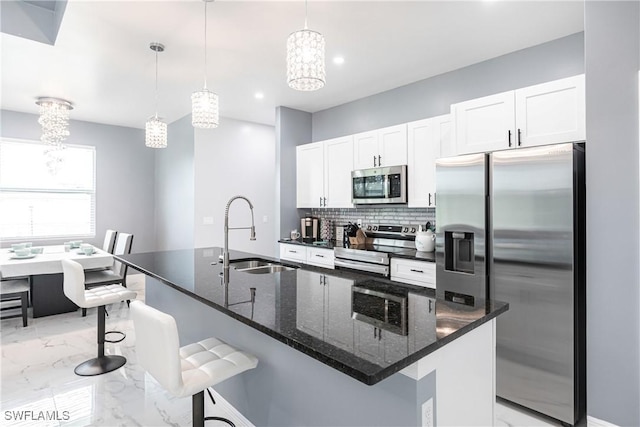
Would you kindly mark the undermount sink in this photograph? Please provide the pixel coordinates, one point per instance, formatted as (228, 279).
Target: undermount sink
(268, 269)
(259, 266)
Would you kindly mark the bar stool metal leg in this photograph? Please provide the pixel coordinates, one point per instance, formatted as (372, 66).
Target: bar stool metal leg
(101, 364)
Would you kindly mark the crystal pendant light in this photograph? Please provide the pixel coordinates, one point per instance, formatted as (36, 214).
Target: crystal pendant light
(204, 103)
(155, 128)
(305, 58)
(54, 119)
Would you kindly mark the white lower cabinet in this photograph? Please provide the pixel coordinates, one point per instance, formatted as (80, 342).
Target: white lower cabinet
(310, 303)
(419, 273)
(320, 257)
(297, 253)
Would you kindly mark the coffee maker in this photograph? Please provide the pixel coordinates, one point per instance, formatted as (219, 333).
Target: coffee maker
(310, 229)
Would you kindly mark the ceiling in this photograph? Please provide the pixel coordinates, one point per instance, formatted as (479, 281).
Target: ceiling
(101, 59)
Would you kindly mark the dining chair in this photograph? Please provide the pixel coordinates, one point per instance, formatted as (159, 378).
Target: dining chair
(15, 290)
(189, 370)
(99, 296)
(109, 241)
(117, 273)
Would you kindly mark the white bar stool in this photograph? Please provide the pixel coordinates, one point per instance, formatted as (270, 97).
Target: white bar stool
(99, 296)
(15, 290)
(184, 371)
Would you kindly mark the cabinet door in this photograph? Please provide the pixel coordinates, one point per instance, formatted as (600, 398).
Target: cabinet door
(392, 145)
(551, 113)
(367, 342)
(338, 164)
(309, 175)
(365, 150)
(421, 163)
(338, 323)
(310, 303)
(485, 124)
(443, 135)
(396, 346)
(423, 312)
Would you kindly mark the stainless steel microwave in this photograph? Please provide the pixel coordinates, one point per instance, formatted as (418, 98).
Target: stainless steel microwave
(379, 185)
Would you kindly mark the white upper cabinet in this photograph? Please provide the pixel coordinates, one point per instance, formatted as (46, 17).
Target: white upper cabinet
(551, 113)
(426, 140)
(485, 124)
(338, 164)
(381, 147)
(323, 173)
(547, 113)
(310, 175)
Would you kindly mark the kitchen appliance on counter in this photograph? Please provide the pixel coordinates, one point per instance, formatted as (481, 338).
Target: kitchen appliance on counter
(377, 304)
(379, 185)
(373, 256)
(310, 229)
(511, 226)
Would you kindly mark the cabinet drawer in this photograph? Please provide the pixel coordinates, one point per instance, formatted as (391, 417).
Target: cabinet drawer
(293, 252)
(320, 257)
(418, 273)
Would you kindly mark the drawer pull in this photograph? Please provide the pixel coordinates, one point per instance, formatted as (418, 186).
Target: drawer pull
(293, 252)
(321, 256)
(417, 271)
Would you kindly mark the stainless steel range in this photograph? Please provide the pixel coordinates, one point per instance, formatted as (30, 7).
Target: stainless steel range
(373, 256)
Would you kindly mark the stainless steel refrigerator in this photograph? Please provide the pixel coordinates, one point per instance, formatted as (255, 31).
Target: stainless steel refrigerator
(511, 227)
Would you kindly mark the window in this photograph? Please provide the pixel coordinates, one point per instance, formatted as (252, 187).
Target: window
(38, 202)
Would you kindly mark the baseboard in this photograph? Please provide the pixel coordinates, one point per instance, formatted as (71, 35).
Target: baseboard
(229, 409)
(594, 422)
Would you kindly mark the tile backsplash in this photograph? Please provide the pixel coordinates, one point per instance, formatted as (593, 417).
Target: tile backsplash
(370, 215)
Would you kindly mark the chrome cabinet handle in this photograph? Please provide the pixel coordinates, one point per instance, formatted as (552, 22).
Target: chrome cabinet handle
(417, 271)
(293, 252)
(324, 202)
(321, 256)
(320, 201)
(429, 199)
(374, 161)
(509, 137)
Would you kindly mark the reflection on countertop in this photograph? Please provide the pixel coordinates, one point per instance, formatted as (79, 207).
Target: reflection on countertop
(312, 309)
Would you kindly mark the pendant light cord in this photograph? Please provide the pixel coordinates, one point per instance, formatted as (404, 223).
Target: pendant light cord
(156, 50)
(205, 44)
(306, 7)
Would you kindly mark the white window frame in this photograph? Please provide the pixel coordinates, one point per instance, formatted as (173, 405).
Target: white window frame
(90, 191)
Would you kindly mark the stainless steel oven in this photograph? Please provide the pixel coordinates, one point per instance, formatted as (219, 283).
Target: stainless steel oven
(379, 185)
(372, 303)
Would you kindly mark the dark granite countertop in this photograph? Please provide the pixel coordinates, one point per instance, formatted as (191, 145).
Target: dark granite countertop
(310, 310)
(400, 253)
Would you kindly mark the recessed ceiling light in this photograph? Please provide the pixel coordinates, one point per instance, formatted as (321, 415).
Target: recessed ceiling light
(259, 95)
(339, 60)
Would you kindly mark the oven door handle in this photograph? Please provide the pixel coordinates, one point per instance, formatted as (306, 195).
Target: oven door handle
(371, 268)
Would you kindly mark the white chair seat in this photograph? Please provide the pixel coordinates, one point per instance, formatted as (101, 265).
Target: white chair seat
(101, 277)
(14, 286)
(103, 295)
(209, 362)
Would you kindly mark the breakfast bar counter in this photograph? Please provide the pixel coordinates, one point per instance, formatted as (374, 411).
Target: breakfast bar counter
(335, 347)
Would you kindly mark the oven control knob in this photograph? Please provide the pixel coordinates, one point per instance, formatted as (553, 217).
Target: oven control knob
(368, 228)
(405, 229)
(375, 228)
(413, 229)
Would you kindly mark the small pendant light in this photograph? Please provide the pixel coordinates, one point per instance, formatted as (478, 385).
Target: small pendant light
(305, 58)
(155, 128)
(204, 103)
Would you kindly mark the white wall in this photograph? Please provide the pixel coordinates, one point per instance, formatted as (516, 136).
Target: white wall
(237, 158)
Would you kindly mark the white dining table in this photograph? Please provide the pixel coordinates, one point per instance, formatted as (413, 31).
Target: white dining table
(49, 261)
(45, 273)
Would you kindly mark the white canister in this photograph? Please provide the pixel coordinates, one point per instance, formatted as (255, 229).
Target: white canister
(426, 241)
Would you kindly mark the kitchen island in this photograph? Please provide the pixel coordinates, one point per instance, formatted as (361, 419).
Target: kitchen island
(327, 356)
